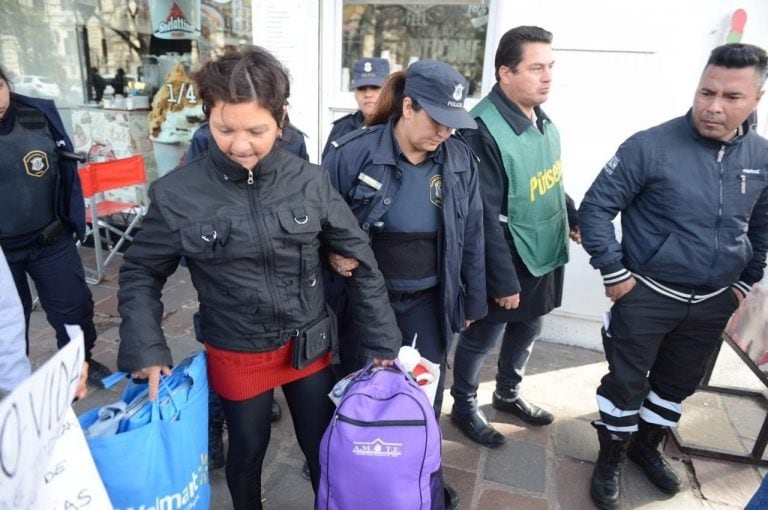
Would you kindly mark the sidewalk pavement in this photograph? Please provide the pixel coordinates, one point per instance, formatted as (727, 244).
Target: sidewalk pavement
(537, 469)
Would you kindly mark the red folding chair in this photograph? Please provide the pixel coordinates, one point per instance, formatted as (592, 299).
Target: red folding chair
(96, 179)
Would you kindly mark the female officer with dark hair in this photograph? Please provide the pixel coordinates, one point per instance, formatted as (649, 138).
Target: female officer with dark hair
(250, 219)
(41, 210)
(413, 187)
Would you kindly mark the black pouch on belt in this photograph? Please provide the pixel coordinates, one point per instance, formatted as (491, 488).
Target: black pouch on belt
(51, 233)
(312, 343)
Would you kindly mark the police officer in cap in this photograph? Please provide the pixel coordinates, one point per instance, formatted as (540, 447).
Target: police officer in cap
(41, 208)
(368, 75)
(414, 188)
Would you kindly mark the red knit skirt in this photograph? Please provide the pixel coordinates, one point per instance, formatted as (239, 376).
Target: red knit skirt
(242, 375)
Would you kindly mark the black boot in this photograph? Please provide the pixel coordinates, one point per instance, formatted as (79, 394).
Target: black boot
(215, 443)
(643, 450)
(606, 478)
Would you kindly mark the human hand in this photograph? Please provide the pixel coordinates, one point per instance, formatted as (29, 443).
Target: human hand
(383, 362)
(82, 386)
(342, 265)
(575, 234)
(508, 302)
(153, 374)
(739, 296)
(618, 291)
(468, 323)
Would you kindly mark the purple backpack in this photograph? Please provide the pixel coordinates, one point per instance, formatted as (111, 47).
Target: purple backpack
(382, 447)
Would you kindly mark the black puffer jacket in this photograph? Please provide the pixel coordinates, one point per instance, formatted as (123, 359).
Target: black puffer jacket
(253, 257)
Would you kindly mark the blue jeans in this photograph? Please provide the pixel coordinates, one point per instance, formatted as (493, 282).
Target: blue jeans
(474, 345)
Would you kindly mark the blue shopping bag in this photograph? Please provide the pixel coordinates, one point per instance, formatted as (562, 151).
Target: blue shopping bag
(159, 456)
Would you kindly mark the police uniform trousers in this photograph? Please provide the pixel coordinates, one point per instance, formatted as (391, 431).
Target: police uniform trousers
(420, 314)
(657, 350)
(59, 278)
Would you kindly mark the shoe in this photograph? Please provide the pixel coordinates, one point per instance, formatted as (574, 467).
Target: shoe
(476, 427)
(643, 451)
(96, 372)
(305, 471)
(523, 409)
(277, 411)
(605, 486)
(451, 497)
(216, 457)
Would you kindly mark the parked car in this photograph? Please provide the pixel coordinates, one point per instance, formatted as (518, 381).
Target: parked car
(35, 86)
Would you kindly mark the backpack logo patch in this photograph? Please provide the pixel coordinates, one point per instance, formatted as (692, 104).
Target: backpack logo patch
(36, 163)
(377, 448)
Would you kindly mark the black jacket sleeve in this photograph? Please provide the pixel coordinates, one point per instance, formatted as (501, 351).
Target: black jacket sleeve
(501, 275)
(615, 187)
(369, 310)
(147, 264)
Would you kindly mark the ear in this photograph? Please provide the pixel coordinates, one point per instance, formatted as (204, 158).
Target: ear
(407, 107)
(505, 74)
(760, 94)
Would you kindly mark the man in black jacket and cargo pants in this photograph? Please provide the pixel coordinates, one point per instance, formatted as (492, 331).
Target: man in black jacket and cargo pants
(693, 198)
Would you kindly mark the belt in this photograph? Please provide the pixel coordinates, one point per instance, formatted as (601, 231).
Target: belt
(396, 295)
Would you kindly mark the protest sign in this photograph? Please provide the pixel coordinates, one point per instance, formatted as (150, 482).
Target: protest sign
(32, 418)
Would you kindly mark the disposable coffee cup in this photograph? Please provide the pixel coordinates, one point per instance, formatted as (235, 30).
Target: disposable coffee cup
(409, 357)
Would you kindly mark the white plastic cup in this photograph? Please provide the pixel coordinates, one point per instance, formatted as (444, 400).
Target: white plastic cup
(409, 357)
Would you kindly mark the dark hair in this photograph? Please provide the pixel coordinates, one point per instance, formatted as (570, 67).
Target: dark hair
(389, 106)
(249, 73)
(510, 49)
(739, 56)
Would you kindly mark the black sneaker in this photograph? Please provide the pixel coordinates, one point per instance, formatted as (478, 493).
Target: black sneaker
(97, 372)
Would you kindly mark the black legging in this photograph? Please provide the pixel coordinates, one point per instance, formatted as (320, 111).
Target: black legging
(248, 422)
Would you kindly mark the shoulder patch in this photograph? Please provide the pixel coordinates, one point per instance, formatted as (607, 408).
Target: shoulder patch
(611, 165)
(31, 118)
(351, 136)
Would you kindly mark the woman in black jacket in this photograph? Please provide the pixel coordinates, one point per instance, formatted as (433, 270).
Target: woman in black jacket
(250, 219)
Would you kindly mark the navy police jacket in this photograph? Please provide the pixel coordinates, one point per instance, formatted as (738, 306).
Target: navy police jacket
(70, 205)
(343, 126)
(372, 151)
(694, 211)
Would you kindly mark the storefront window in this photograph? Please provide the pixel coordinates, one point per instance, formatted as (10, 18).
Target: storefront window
(403, 32)
(49, 46)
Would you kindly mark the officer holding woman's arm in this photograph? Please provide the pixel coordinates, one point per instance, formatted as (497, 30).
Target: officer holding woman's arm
(413, 187)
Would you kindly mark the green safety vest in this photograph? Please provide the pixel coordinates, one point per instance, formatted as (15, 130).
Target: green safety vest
(536, 211)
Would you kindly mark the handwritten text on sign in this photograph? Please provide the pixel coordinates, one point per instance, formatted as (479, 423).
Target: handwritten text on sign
(31, 419)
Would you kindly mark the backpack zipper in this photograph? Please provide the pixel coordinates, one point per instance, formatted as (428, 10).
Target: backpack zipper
(382, 423)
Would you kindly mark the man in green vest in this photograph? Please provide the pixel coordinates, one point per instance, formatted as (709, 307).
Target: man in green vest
(526, 225)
